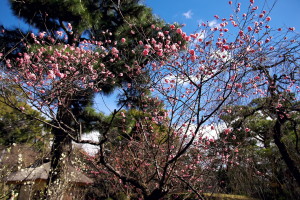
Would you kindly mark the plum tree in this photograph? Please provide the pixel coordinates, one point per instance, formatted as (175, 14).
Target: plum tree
(191, 79)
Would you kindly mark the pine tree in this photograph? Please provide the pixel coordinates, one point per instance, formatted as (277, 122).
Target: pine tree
(17, 128)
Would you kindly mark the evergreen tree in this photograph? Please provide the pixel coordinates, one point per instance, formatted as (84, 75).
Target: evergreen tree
(253, 136)
(18, 128)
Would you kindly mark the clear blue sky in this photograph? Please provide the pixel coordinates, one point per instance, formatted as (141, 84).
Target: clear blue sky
(190, 12)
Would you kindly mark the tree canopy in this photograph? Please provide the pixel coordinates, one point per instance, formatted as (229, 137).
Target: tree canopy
(18, 128)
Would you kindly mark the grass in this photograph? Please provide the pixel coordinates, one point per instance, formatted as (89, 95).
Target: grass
(219, 196)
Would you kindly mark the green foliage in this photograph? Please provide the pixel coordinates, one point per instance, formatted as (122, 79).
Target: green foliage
(16, 127)
(260, 164)
(47, 14)
(126, 122)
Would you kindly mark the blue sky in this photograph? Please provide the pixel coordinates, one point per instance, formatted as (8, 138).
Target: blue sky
(6, 17)
(189, 12)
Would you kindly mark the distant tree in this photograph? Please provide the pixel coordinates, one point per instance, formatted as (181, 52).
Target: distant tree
(17, 128)
(252, 135)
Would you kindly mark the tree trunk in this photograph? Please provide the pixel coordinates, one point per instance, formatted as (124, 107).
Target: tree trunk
(283, 150)
(60, 158)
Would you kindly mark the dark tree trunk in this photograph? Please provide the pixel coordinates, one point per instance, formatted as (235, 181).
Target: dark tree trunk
(284, 151)
(60, 153)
